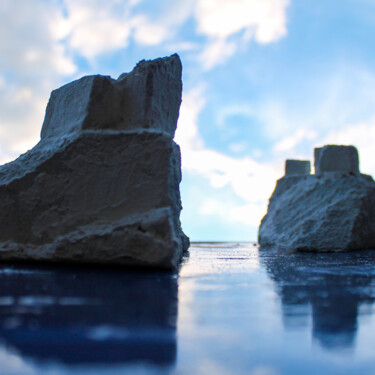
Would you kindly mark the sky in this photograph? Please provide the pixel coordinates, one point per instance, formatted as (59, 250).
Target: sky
(264, 80)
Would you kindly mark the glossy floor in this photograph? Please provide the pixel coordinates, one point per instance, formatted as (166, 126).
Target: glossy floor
(230, 310)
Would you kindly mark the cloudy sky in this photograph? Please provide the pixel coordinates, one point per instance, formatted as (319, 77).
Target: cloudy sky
(264, 80)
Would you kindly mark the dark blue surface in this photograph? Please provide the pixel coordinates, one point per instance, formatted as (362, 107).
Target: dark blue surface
(231, 310)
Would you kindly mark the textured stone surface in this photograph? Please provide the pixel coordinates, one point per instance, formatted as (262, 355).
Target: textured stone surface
(331, 212)
(297, 167)
(334, 158)
(328, 211)
(116, 193)
(94, 191)
(149, 97)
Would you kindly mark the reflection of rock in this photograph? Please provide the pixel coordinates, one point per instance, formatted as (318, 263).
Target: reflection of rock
(333, 285)
(102, 185)
(331, 210)
(335, 319)
(83, 316)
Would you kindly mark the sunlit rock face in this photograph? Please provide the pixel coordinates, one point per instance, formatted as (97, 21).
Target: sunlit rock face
(102, 185)
(332, 210)
(149, 97)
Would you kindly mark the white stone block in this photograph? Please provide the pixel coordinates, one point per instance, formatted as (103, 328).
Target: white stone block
(334, 158)
(149, 97)
(297, 167)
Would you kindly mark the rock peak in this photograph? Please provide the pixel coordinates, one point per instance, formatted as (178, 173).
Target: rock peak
(148, 97)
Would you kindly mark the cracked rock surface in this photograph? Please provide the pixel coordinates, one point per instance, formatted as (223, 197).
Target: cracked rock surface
(329, 212)
(102, 185)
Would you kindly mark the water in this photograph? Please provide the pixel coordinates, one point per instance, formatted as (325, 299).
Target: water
(230, 310)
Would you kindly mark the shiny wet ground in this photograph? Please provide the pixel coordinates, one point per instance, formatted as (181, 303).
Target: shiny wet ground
(230, 310)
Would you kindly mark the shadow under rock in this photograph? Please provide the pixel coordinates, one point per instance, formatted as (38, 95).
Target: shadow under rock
(329, 286)
(82, 316)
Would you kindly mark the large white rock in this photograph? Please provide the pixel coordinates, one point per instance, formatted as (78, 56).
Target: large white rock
(331, 211)
(92, 193)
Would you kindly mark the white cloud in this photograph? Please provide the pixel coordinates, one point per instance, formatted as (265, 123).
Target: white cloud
(290, 142)
(33, 60)
(163, 24)
(92, 28)
(238, 147)
(294, 122)
(28, 43)
(147, 32)
(21, 116)
(278, 118)
(249, 180)
(219, 20)
(249, 214)
(222, 18)
(216, 52)
(187, 134)
(95, 27)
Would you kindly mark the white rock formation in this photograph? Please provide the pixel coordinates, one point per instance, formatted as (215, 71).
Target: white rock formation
(102, 185)
(330, 211)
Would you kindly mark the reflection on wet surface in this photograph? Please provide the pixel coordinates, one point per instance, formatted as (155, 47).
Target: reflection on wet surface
(332, 286)
(231, 310)
(88, 316)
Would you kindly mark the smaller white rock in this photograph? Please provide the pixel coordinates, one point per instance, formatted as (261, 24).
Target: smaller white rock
(333, 210)
(335, 158)
(297, 167)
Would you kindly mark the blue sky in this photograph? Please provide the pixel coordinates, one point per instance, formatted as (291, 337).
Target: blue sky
(264, 80)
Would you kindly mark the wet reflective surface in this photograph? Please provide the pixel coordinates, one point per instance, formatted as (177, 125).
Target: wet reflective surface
(230, 310)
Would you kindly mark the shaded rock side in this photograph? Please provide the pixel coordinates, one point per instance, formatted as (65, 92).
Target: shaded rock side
(149, 97)
(297, 167)
(329, 212)
(97, 197)
(336, 158)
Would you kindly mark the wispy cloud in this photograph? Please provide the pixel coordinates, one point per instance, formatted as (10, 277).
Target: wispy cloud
(33, 60)
(261, 20)
(248, 179)
(30, 45)
(94, 27)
